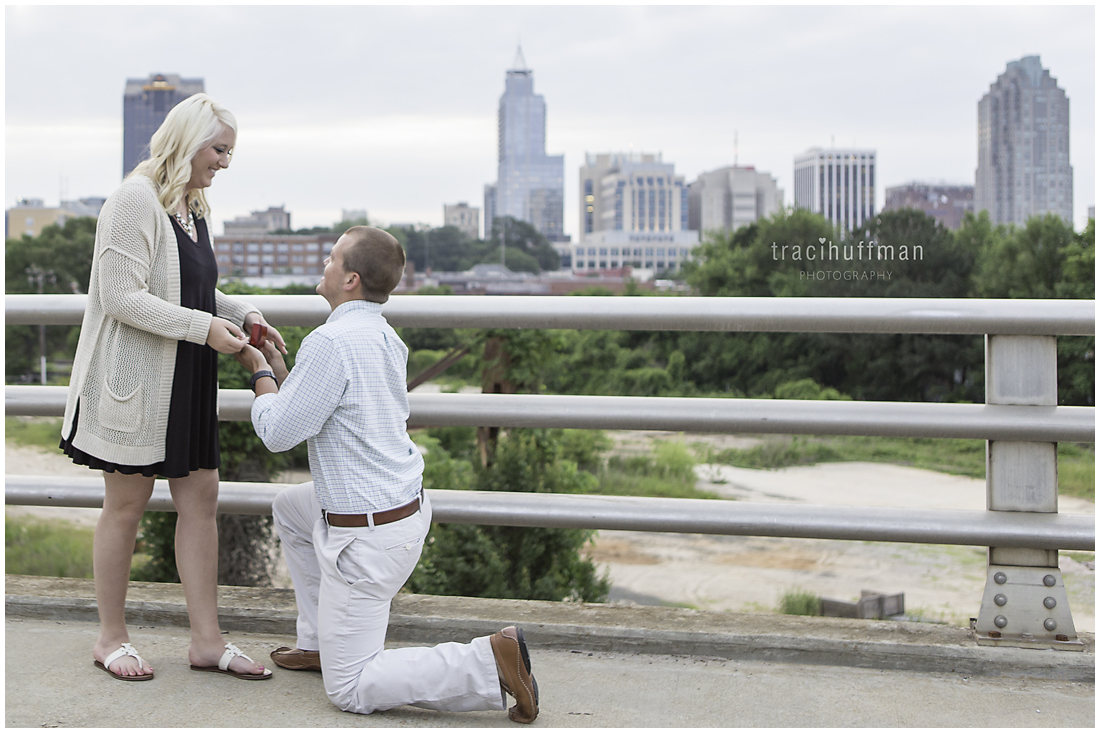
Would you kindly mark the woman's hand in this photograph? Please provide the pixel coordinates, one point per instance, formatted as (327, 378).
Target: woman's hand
(272, 335)
(224, 337)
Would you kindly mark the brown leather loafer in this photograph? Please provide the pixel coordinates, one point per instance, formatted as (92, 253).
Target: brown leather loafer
(288, 658)
(514, 667)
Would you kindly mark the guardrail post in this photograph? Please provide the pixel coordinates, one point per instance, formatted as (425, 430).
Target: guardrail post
(1025, 602)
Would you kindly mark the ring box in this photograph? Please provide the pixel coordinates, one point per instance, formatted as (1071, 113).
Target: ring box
(259, 335)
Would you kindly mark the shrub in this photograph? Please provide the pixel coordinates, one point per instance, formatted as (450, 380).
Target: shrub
(509, 562)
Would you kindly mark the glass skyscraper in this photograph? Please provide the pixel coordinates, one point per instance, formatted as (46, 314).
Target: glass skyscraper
(145, 104)
(1023, 146)
(530, 184)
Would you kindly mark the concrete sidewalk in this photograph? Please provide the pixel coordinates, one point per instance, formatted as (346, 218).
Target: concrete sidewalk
(597, 666)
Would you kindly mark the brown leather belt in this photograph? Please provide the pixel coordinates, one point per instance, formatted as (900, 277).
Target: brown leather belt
(361, 520)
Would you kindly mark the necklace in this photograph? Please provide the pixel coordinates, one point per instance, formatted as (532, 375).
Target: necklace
(187, 226)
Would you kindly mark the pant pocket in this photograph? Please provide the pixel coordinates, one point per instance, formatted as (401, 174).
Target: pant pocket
(378, 570)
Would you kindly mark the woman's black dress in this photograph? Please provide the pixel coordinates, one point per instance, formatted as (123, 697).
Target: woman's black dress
(192, 438)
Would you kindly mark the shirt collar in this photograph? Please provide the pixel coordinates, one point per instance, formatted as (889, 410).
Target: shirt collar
(354, 305)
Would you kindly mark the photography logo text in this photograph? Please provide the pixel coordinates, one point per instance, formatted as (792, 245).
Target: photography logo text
(863, 251)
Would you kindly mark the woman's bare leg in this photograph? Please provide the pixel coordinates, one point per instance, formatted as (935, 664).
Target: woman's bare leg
(196, 500)
(112, 554)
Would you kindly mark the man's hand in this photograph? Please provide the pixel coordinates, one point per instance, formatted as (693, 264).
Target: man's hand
(273, 336)
(251, 359)
(224, 336)
(275, 359)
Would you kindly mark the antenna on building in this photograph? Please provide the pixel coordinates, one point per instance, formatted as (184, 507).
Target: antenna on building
(735, 148)
(832, 141)
(519, 64)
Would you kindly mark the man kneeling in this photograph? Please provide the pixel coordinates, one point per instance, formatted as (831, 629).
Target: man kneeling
(353, 536)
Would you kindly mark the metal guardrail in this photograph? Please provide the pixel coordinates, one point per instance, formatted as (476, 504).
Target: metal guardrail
(686, 414)
(702, 516)
(821, 315)
(1020, 420)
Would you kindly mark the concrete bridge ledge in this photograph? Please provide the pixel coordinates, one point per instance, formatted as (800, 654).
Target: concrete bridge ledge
(887, 645)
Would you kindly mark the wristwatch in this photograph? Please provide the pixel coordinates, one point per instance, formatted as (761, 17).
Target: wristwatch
(261, 373)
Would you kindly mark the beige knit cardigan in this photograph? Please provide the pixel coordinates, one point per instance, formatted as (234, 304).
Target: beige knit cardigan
(126, 357)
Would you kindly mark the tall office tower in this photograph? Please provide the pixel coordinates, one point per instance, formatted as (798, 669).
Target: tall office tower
(730, 198)
(1023, 146)
(838, 183)
(463, 216)
(632, 206)
(144, 106)
(530, 183)
(946, 204)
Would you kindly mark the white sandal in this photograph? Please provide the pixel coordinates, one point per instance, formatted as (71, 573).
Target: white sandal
(126, 650)
(223, 665)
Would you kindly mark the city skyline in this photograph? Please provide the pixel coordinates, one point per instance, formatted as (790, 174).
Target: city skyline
(421, 131)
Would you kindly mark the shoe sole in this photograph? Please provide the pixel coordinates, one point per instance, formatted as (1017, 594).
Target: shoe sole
(300, 668)
(526, 657)
(231, 673)
(294, 666)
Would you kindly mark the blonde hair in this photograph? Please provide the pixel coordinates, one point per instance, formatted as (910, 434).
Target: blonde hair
(189, 127)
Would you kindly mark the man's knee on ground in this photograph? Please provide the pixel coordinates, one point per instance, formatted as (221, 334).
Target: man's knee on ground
(345, 698)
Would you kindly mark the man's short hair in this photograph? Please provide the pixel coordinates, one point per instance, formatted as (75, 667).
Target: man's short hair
(378, 258)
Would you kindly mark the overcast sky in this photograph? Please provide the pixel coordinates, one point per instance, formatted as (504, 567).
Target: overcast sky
(393, 109)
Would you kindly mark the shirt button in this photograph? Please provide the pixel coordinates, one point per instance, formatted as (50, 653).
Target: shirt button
(408, 547)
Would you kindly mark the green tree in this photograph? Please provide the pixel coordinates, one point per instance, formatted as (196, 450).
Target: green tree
(1028, 261)
(443, 249)
(1045, 259)
(510, 562)
(522, 238)
(66, 251)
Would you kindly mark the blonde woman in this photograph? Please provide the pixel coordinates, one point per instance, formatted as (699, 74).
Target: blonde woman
(143, 393)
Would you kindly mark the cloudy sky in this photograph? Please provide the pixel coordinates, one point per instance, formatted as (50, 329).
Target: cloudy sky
(393, 109)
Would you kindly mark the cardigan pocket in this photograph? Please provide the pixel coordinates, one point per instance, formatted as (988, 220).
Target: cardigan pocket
(120, 412)
(121, 404)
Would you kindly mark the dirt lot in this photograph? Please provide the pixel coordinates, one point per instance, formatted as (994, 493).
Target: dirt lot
(941, 583)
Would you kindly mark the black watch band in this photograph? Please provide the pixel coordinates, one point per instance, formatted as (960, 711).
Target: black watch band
(262, 373)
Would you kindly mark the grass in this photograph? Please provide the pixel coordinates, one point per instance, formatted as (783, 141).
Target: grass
(1076, 462)
(48, 548)
(797, 602)
(40, 432)
(668, 473)
(1077, 470)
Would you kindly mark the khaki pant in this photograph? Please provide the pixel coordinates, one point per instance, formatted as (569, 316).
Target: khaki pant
(344, 579)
